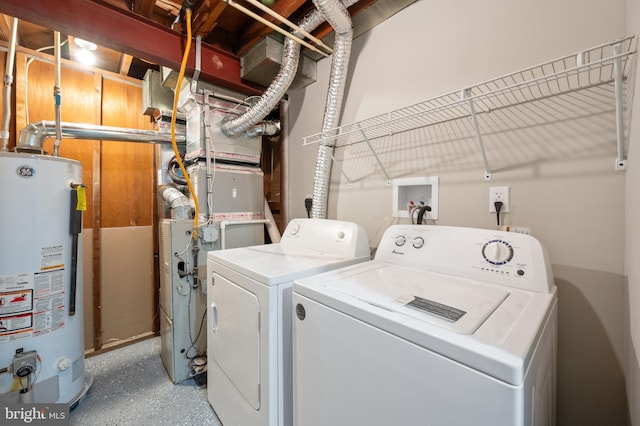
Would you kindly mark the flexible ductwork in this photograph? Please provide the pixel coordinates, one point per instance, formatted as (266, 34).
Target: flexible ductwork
(339, 18)
(266, 128)
(8, 81)
(234, 126)
(180, 206)
(33, 136)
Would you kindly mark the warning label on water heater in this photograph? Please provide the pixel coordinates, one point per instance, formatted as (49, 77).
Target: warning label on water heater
(51, 258)
(31, 304)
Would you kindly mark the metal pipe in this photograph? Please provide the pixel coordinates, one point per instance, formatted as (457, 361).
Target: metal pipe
(33, 136)
(291, 25)
(8, 81)
(338, 16)
(266, 128)
(274, 27)
(57, 92)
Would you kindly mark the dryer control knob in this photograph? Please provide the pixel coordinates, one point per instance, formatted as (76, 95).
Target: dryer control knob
(341, 235)
(497, 252)
(400, 240)
(295, 228)
(418, 242)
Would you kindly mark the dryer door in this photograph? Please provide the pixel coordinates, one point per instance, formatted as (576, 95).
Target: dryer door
(235, 336)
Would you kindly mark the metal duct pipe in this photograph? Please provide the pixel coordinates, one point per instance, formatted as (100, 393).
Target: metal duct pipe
(266, 128)
(33, 136)
(339, 18)
(180, 206)
(234, 126)
(8, 81)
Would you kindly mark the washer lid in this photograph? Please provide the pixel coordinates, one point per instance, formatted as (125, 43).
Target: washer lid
(456, 304)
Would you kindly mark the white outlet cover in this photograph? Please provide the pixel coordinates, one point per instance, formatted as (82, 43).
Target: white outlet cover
(499, 192)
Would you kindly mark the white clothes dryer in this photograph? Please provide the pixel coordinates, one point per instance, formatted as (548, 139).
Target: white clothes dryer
(445, 326)
(249, 378)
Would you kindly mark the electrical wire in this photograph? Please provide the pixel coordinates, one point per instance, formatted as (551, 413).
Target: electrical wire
(174, 144)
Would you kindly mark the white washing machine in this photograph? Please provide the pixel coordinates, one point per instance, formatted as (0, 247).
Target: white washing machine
(249, 316)
(445, 326)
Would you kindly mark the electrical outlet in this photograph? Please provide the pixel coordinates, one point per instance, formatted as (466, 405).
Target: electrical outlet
(499, 193)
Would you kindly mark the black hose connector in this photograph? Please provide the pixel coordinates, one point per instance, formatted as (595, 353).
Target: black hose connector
(186, 4)
(421, 213)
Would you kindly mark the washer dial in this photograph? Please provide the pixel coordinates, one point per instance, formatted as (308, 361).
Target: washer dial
(497, 252)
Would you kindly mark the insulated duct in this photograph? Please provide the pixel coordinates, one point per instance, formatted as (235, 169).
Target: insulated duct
(339, 18)
(33, 136)
(290, 58)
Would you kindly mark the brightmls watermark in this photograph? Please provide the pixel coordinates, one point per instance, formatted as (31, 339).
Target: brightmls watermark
(35, 414)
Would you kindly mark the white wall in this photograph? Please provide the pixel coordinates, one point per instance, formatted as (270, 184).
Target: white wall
(633, 239)
(576, 207)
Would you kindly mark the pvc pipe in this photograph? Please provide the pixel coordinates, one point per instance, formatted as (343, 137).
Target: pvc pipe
(8, 81)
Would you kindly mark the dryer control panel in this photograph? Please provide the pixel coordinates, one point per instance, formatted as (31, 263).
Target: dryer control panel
(505, 258)
(340, 238)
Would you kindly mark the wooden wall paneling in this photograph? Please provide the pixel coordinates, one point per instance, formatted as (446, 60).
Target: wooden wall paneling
(127, 188)
(127, 166)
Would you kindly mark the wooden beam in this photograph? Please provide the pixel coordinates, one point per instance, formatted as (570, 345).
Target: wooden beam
(124, 64)
(96, 203)
(5, 28)
(144, 7)
(207, 18)
(130, 34)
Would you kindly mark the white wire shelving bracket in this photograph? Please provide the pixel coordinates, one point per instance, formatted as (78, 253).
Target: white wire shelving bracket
(587, 82)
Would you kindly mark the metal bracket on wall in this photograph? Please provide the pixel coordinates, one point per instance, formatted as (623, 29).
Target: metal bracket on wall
(466, 94)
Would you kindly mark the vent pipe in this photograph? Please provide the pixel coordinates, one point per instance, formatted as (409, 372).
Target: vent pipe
(33, 136)
(339, 18)
(234, 126)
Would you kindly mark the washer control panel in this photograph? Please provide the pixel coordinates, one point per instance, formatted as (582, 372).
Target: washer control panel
(497, 252)
(505, 258)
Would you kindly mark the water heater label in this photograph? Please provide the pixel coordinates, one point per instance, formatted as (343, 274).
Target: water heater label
(15, 326)
(31, 304)
(16, 301)
(52, 257)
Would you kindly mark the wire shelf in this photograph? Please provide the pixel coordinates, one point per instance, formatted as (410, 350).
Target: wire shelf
(582, 89)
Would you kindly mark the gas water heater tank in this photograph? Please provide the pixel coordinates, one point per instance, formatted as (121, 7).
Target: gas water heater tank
(41, 315)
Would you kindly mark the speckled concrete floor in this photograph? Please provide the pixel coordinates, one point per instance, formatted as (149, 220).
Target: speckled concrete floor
(131, 387)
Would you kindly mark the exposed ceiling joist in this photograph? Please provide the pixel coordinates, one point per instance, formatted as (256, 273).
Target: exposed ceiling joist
(130, 34)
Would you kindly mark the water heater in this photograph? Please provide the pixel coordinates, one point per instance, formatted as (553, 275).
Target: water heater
(41, 315)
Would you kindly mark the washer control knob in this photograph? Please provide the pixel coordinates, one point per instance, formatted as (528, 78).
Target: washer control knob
(341, 235)
(497, 252)
(400, 240)
(418, 242)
